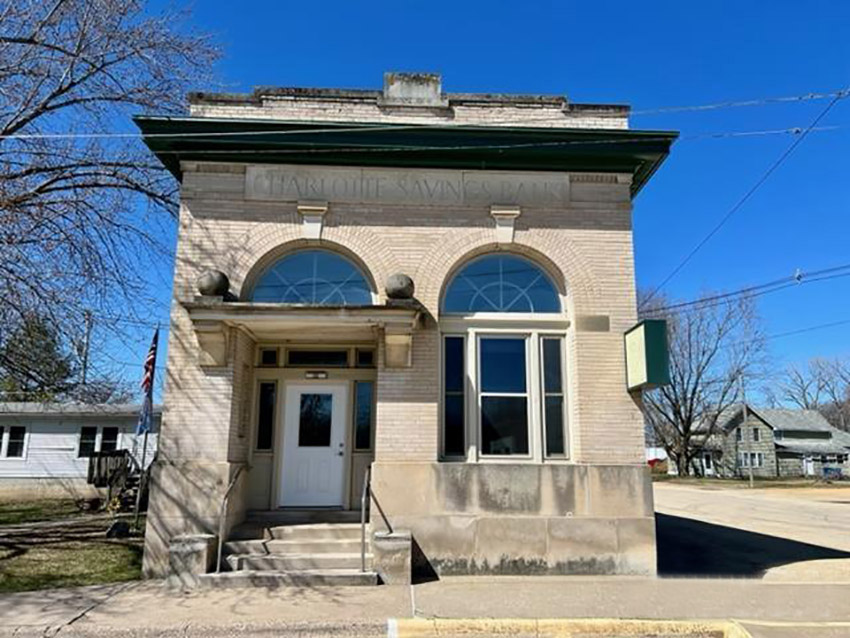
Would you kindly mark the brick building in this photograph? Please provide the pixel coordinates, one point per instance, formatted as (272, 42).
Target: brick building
(434, 286)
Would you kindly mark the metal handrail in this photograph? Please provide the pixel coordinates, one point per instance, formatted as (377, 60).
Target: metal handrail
(222, 522)
(365, 493)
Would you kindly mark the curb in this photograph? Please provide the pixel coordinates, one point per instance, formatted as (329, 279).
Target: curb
(562, 628)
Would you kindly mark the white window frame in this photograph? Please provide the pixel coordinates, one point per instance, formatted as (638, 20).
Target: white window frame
(756, 435)
(527, 395)
(4, 442)
(533, 327)
(467, 387)
(98, 439)
(562, 352)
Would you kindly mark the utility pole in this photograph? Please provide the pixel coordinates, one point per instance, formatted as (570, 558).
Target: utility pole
(743, 431)
(86, 343)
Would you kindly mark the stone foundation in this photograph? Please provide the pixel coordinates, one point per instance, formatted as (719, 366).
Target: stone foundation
(522, 519)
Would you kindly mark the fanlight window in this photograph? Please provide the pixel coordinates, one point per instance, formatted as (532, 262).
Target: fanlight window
(501, 283)
(316, 278)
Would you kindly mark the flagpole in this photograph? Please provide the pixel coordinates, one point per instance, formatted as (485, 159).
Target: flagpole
(149, 417)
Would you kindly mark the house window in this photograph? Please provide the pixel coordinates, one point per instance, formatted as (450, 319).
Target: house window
(12, 443)
(553, 395)
(501, 283)
(739, 435)
(314, 278)
(743, 459)
(454, 396)
(88, 442)
(503, 395)
(109, 440)
(363, 412)
(265, 416)
(756, 435)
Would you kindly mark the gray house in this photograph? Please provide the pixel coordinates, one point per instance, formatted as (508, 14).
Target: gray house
(775, 443)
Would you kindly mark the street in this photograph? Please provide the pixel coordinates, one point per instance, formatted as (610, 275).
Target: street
(799, 534)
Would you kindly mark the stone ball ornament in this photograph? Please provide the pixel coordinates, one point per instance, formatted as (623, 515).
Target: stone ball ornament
(399, 286)
(213, 283)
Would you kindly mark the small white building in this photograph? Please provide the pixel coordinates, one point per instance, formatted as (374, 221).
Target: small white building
(45, 448)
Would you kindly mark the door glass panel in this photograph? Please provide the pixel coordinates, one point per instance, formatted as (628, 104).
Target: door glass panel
(504, 425)
(265, 416)
(503, 365)
(314, 425)
(363, 415)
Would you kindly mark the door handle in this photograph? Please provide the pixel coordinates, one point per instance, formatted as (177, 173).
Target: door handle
(341, 449)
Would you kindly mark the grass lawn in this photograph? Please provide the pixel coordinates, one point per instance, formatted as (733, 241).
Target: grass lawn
(68, 563)
(69, 554)
(16, 512)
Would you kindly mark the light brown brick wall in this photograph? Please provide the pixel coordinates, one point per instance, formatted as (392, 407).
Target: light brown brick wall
(588, 243)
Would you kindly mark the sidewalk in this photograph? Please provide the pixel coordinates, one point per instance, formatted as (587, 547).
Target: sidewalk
(145, 608)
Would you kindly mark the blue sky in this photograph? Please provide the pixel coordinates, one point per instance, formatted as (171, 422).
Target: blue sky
(648, 54)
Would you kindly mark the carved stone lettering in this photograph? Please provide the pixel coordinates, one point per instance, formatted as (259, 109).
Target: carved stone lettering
(400, 186)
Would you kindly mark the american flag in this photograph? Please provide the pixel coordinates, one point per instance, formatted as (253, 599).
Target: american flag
(144, 424)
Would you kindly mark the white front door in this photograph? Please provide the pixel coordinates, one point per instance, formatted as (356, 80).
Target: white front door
(707, 464)
(809, 464)
(313, 469)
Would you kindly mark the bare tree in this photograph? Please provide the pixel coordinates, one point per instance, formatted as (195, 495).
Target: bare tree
(715, 349)
(80, 210)
(823, 385)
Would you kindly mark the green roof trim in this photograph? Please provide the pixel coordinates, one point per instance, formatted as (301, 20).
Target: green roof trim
(176, 139)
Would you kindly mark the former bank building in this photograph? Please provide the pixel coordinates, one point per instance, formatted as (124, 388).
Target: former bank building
(411, 299)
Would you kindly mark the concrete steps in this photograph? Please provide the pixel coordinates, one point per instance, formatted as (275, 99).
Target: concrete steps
(294, 578)
(298, 548)
(295, 562)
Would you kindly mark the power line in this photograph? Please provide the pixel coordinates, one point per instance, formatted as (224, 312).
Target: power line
(797, 279)
(742, 103)
(406, 126)
(791, 333)
(776, 164)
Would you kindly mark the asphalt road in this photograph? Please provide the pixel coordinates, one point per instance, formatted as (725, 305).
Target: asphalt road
(716, 531)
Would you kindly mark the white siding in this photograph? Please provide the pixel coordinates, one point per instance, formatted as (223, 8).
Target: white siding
(52, 441)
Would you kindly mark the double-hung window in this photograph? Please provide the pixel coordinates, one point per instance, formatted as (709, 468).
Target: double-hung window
(12, 441)
(503, 395)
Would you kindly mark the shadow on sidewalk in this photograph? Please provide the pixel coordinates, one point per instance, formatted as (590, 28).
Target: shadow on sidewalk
(687, 547)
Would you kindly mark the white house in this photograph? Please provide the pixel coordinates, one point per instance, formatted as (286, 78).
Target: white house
(45, 448)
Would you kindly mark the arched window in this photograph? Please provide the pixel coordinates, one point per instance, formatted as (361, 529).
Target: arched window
(315, 278)
(501, 283)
